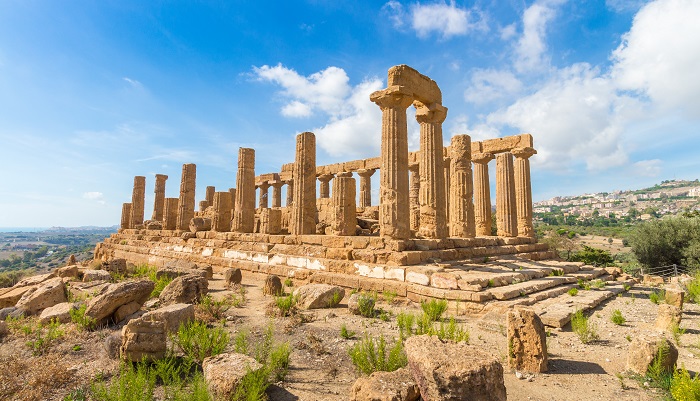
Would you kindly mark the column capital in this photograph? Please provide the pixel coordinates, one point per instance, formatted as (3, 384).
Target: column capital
(414, 168)
(325, 177)
(161, 177)
(392, 97)
(288, 181)
(366, 172)
(276, 183)
(482, 157)
(434, 113)
(262, 184)
(523, 153)
(344, 174)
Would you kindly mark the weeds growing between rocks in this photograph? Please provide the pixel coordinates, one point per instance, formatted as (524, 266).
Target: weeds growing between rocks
(584, 329)
(373, 355)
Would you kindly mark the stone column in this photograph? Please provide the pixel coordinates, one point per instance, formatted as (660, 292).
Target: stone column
(482, 193)
(170, 213)
(461, 188)
(325, 187)
(276, 193)
(433, 221)
(138, 200)
(290, 192)
(413, 198)
(126, 215)
(446, 164)
(506, 213)
(304, 211)
(222, 212)
(523, 190)
(232, 191)
(365, 187)
(344, 207)
(209, 195)
(244, 207)
(264, 192)
(393, 175)
(159, 202)
(203, 205)
(185, 207)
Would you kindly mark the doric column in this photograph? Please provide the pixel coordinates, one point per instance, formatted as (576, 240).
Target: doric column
(461, 188)
(222, 212)
(506, 213)
(304, 211)
(244, 207)
(414, 207)
(232, 192)
(264, 192)
(276, 193)
(138, 199)
(209, 195)
(482, 193)
(365, 187)
(523, 190)
(203, 205)
(433, 220)
(159, 202)
(344, 208)
(447, 188)
(126, 216)
(185, 207)
(290, 192)
(393, 174)
(324, 188)
(170, 213)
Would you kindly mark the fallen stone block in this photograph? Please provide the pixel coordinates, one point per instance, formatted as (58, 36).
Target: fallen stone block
(317, 296)
(172, 315)
(59, 312)
(385, 386)
(272, 286)
(102, 307)
(224, 372)
(643, 350)
(527, 341)
(46, 294)
(187, 289)
(96, 275)
(143, 340)
(232, 276)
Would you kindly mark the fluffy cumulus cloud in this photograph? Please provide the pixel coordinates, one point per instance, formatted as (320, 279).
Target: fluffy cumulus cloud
(647, 168)
(490, 85)
(531, 46)
(445, 20)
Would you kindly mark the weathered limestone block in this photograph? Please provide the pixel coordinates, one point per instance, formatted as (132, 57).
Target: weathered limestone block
(185, 207)
(47, 294)
(270, 221)
(125, 311)
(224, 372)
(385, 386)
(172, 316)
(112, 344)
(433, 216)
(59, 312)
(668, 316)
(317, 296)
(170, 213)
(304, 211)
(527, 341)
(244, 205)
(273, 285)
(506, 211)
(67, 271)
(96, 275)
(153, 225)
(232, 276)
(343, 220)
(159, 201)
(223, 204)
(482, 193)
(138, 199)
(200, 224)
(176, 268)
(209, 194)
(187, 289)
(643, 350)
(115, 266)
(675, 296)
(143, 339)
(461, 187)
(103, 306)
(208, 271)
(454, 371)
(126, 216)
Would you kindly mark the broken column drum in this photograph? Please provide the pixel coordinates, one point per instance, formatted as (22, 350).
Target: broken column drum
(159, 201)
(126, 216)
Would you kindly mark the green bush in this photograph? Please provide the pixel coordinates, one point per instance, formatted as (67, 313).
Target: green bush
(617, 317)
(657, 296)
(345, 333)
(78, 317)
(584, 329)
(573, 291)
(133, 383)
(671, 240)
(592, 256)
(372, 355)
(212, 308)
(434, 309)
(693, 288)
(365, 303)
(197, 341)
(683, 387)
(658, 374)
(286, 304)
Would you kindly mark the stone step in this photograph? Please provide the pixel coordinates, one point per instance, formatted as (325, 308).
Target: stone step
(527, 287)
(589, 274)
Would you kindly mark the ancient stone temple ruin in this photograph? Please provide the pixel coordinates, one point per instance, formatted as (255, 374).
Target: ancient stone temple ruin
(428, 237)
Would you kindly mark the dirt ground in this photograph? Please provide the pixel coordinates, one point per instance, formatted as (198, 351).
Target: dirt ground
(322, 370)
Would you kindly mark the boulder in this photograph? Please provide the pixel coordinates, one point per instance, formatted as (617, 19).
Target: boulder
(177, 268)
(48, 293)
(143, 339)
(34, 280)
(126, 310)
(115, 266)
(10, 296)
(385, 386)
(96, 275)
(103, 306)
(272, 286)
(9, 311)
(527, 341)
(112, 344)
(643, 350)
(67, 271)
(187, 289)
(224, 372)
(675, 296)
(59, 312)
(454, 371)
(200, 224)
(354, 303)
(71, 259)
(667, 316)
(316, 296)
(232, 276)
(153, 225)
(172, 315)
(209, 270)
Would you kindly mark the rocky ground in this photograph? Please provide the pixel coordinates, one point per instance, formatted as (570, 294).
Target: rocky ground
(321, 369)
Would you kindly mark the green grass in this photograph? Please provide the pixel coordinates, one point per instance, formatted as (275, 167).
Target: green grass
(215, 310)
(434, 309)
(133, 383)
(693, 288)
(573, 291)
(146, 271)
(366, 303)
(197, 341)
(78, 317)
(657, 296)
(286, 304)
(345, 333)
(584, 329)
(45, 337)
(617, 317)
(373, 355)
(389, 296)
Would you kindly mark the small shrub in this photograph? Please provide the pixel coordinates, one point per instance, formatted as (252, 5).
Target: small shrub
(598, 283)
(197, 390)
(78, 317)
(677, 332)
(584, 329)
(657, 296)
(628, 338)
(452, 332)
(133, 383)
(288, 282)
(286, 304)
(371, 355)
(683, 387)
(238, 301)
(240, 342)
(78, 394)
(405, 321)
(197, 341)
(214, 310)
(659, 375)
(617, 317)
(434, 309)
(43, 340)
(583, 284)
(389, 296)
(626, 287)
(573, 291)
(365, 303)
(345, 333)
(556, 272)
(491, 283)
(333, 302)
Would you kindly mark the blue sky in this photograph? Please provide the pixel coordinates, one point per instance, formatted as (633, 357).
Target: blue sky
(94, 93)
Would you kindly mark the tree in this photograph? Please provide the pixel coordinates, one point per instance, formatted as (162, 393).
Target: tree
(672, 240)
(592, 256)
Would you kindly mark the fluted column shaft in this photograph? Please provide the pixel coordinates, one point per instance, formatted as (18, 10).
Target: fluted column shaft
(482, 193)
(506, 212)
(232, 192)
(433, 217)
(185, 207)
(523, 190)
(222, 212)
(304, 213)
(344, 208)
(290, 192)
(414, 205)
(138, 200)
(461, 188)
(393, 178)
(447, 188)
(324, 188)
(126, 216)
(170, 213)
(244, 207)
(276, 193)
(264, 193)
(365, 187)
(159, 202)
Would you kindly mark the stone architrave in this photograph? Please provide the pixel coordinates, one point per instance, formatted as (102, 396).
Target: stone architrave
(170, 213)
(394, 215)
(523, 190)
(324, 188)
(185, 208)
(126, 215)
(138, 199)
(244, 207)
(290, 192)
(414, 189)
(433, 217)
(462, 191)
(222, 212)
(482, 193)
(264, 193)
(304, 213)
(159, 202)
(276, 193)
(365, 187)
(270, 221)
(506, 212)
(344, 208)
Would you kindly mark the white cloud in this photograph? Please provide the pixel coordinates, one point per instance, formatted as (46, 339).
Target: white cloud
(395, 12)
(446, 20)
(459, 125)
(531, 47)
(134, 83)
(95, 196)
(647, 168)
(508, 31)
(296, 109)
(621, 6)
(489, 85)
